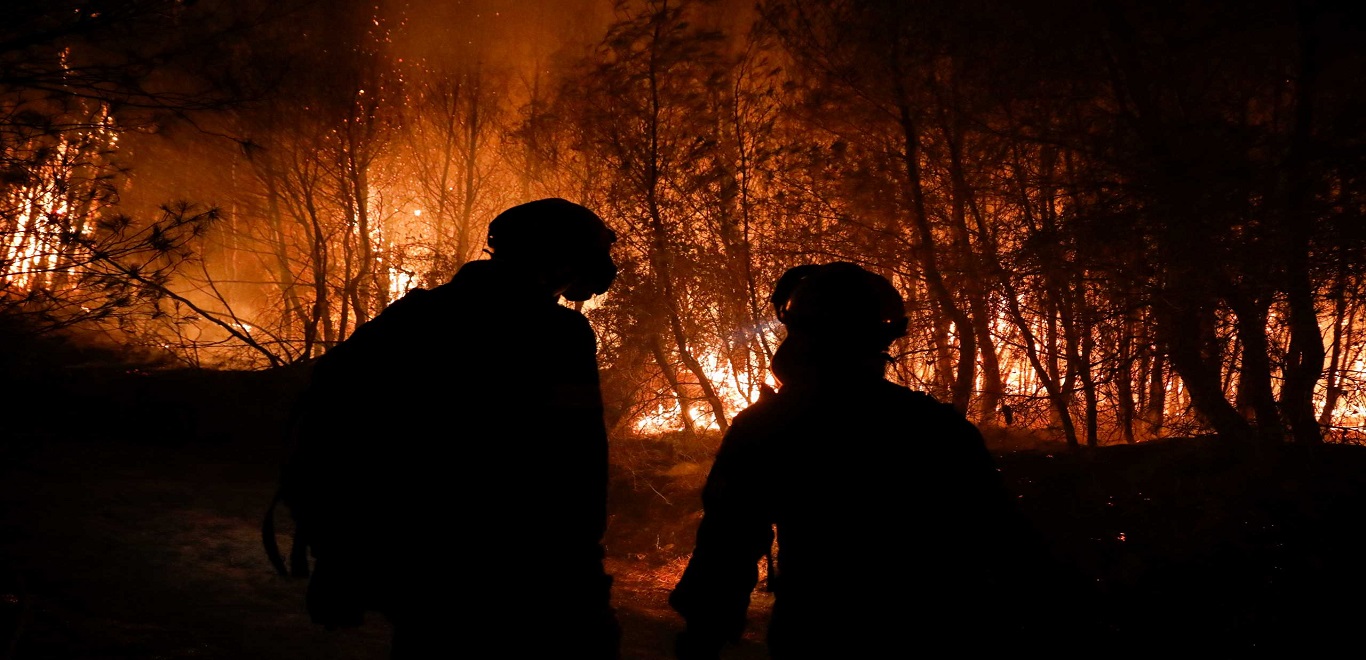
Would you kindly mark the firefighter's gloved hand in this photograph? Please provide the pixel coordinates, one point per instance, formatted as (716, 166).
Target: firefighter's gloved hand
(692, 645)
(335, 597)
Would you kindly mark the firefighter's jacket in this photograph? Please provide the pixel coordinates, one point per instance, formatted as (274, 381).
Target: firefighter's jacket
(454, 460)
(890, 519)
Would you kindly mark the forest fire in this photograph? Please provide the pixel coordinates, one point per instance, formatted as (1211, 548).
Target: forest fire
(737, 391)
(31, 251)
(51, 206)
(1129, 239)
(1026, 294)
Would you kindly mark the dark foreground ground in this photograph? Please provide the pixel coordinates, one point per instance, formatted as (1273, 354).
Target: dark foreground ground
(130, 512)
(143, 541)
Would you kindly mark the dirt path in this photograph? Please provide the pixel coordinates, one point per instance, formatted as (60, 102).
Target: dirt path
(127, 550)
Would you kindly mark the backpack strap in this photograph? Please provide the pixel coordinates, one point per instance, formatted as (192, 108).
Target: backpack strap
(298, 550)
(268, 539)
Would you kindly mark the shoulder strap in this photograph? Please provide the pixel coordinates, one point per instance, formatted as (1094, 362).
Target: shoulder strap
(298, 550)
(268, 540)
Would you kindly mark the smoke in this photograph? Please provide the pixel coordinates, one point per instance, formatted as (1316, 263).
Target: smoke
(519, 34)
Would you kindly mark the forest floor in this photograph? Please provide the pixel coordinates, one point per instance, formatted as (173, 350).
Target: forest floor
(145, 543)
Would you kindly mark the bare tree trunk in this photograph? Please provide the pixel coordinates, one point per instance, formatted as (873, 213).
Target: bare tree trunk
(1088, 381)
(660, 254)
(1241, 403)
(1124, 378)
(1077, 343)
(1155, 413)
(1187, 331)
(346, 295)
(284, 273)
(1254, 378)
(967, 345)
(1186, 300)
(671, 377)
(742, 253)
(1047, 376)
(359, 290)
(943, 353)
(442, 190)
(1062, 407)
(1342, 335)
(1304, 358)
(319, 265)
(464, 243)
(980, 318)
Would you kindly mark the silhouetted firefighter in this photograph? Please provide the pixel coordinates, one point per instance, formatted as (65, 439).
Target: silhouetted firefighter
(452, 467)
(893, 528)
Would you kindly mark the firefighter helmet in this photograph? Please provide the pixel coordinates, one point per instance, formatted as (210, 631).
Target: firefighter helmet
(840, 301)
(561, 233)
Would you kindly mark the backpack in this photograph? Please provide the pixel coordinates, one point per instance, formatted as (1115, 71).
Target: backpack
(337, 384)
